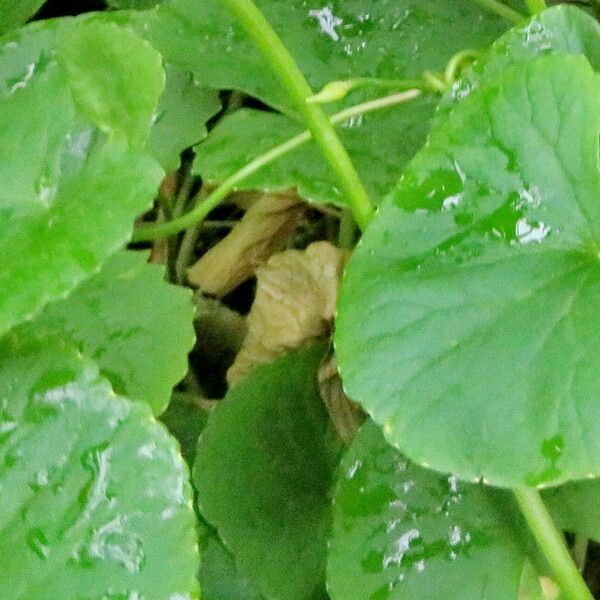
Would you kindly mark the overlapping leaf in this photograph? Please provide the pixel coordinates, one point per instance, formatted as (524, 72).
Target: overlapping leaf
(379, 144)
(466, 323)
(134, 325)
(74, 174)
(181, 118)
(403, 532)
(272, 438)
(339, 40)
(562, 29)
(95, 500)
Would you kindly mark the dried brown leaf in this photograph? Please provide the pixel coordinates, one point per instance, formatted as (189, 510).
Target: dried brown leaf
(346, 415)
(294, 304)
(265, 227)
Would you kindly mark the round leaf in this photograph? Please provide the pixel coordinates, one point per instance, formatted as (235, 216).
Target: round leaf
(263, 472)
(403, 532)
(136, 327)
(466, 323)
(69, 192)
(95, 502)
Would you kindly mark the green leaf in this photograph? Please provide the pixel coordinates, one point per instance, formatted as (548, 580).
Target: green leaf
(132, 323)
(466, 324)
(273, 438)
(69, 192)
(575, 507)
(218, 572)
(115, 78)
(133, 4)
(560, 29)
(340, 40)
(183, 111)
(403, 532)
(380, 145)
(95, 502)
(185, 420)
(14, 13)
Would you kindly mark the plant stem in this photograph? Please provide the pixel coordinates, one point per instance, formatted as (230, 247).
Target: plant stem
(536, 6)
(501, 10)
(290, 76)
(552, 544)
(146, 233)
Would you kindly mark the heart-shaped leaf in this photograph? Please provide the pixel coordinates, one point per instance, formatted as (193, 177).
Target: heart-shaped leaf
(272, 438)
(95, 502)
(132, 323)
(403, 532)
(466, 321)
(71, 186)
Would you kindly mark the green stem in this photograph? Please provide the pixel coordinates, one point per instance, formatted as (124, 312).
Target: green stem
(552, 544)
(536, 6)
(501, 10)
(146, 233)
(284, 67)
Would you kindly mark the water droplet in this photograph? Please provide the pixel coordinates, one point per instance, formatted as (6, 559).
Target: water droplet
(327, 21)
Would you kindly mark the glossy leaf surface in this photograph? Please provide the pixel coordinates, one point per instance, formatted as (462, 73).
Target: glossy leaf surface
(380, 145)
(561, 29)
(132, 323)
(94, 492)
(71, 186)
(403, 532)
(340, 40)
(466, 322)
(272, 438)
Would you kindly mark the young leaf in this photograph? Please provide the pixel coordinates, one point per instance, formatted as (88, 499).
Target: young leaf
(380, 145)
(340, 40)
(16, 12)
(403, 532)
(272, 438)
(466, 323)
(69, 191)
(132, 323)
(95, 502)
(183, 111)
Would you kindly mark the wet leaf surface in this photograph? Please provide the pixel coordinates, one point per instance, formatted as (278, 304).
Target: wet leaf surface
(404, 532)
(94, 490)
(465, 324)
(132, 323)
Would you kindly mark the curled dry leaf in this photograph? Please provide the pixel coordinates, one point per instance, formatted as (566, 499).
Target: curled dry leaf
(346, 415)
(264, 229)
(295, 302)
